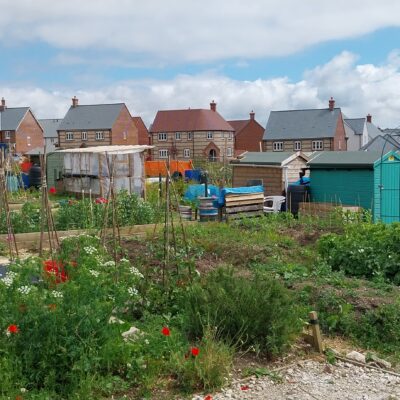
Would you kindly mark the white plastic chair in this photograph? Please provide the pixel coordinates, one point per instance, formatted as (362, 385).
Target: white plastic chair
(272, 204)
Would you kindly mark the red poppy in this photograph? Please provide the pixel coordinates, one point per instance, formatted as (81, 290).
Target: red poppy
(52, 307)
(13, 329)
(165, 331)
(208, 397)
(245, 387)
(195, 351)
(52, 190)
(56, 270)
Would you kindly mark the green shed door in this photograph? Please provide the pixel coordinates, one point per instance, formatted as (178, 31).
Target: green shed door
(389, 190)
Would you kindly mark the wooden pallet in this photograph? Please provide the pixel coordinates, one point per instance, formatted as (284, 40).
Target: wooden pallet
(243, 205)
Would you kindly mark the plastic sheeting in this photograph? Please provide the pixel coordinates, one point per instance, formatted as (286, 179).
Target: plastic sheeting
(239, 190)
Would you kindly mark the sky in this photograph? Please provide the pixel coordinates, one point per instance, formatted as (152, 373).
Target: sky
(260, 55)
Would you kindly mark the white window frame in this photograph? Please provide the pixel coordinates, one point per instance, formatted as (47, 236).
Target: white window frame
(69, 136)
(178, 136)
(229, 151)
(99, 135)
(230, 136)
(162, 137)
(163, 153)
(190, 136)
(7, 135)
(186, 153)
(84, 136)
(210, 135)
(124, 135)
(277, 146)
(297, 145)
(28, 140)
(317, 145)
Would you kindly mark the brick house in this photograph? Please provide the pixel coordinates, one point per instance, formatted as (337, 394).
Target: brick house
(143, 133)
(19, 129)
(97, 125)
(306, 130)
(192, 134)
(248, 134)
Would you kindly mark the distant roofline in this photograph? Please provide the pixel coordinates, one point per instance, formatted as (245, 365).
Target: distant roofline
(306, 109)
(94, 105)
(14, 108)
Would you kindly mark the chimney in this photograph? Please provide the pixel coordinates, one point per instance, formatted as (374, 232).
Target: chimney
(331, 104)
(252, 114)
(3, 104)
(369, 118)
(213, 106)
(75, 102)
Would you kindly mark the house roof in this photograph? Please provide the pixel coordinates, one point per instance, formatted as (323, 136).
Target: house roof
(268, 158)
(50, 127)
(238, 125)
(94, 116)
(372, 130)
(301, 124)
(10, 118)
(143, 133)
(341, 159)
(357, 124)
(189, 121)
(382, 142)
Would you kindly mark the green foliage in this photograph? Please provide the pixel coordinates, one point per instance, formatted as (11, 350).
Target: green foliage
(253, 311)
(365, 250)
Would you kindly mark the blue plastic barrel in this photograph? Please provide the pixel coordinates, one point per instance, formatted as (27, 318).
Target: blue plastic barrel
(12, 183)
(25, 180)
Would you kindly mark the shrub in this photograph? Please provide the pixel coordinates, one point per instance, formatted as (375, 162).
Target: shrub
(255, 311)
(365, 250)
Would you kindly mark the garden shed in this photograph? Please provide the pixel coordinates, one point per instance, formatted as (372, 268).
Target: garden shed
(358, 178)
(90, 168)
(274, 169)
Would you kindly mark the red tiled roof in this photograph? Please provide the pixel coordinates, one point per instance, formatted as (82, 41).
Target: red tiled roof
(143, 133)
(238, 125)
(189, 121)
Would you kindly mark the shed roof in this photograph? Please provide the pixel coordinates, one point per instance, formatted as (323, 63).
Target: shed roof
(50, 127)
(302, 124)
(189, 120)
(10, 118)
(94, 116)
(343, 159)
(268, 158)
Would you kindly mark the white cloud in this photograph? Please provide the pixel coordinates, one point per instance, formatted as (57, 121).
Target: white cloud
(176, 31)
(358, 89)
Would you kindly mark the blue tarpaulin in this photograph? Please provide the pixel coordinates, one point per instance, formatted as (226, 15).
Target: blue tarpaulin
(195, 191)
(239, 190)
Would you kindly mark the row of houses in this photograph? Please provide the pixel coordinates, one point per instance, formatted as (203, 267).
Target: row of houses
(188, 133)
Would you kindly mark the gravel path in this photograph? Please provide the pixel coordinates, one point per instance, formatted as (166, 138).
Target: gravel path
(312, 380)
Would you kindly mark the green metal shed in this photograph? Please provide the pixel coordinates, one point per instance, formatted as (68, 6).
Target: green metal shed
(387, 188)
(358, 178)
(54, 167)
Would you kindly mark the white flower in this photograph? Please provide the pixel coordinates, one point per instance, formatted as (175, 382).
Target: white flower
(90, 250)
(23, 390)
(146, 341)
(24, 289)
(94, 273)
(57, 294)
(9, 278)
(136, 272)
(124, 260)
(133, 291)
(361, 250)
(109, 264)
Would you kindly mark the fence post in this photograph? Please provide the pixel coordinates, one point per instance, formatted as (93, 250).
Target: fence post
(316, 333)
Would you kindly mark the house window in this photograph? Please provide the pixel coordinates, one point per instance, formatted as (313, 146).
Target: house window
(230, 136)
(210, 135)
(162, 137)
(186, 153)
(124, 135)
(190, 135)
(84, 135)
(69, 136)
(163, 153)
(229, 152)
(278, 146)
(297, 146)
(178, 136)
(28, 140)
(317, 145)
(99, 135)
(7, 135)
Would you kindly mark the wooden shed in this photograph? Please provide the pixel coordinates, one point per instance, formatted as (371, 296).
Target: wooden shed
(275, 169)
(356, 178)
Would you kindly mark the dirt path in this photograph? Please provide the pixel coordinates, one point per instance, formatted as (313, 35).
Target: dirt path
(312, 380)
